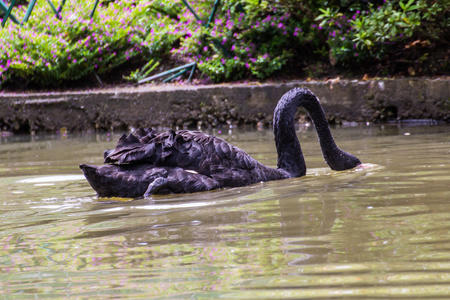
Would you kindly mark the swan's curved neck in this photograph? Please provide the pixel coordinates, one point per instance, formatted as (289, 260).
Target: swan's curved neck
(290, 156)
(326, 140)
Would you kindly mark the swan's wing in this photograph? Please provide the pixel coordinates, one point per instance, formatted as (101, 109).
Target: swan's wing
(190, 150)
(126, 144)
(145, 134)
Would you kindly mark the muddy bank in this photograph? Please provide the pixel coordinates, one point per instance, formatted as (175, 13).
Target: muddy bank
(215, 105)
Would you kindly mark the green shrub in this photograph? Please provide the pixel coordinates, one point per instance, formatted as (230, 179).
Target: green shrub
(48, 51)
(371, 34)
(255, 39)
(246, 39)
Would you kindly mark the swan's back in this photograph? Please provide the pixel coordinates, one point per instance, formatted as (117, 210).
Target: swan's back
(191, 150)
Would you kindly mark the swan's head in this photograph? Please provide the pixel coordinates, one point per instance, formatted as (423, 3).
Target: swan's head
(342, 161)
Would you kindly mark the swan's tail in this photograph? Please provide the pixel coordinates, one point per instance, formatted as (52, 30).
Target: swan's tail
(111, 181)
(90, 172)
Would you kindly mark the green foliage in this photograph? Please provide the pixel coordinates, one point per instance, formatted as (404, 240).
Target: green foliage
(47, 51)
(137, 75)
(250, 38)
(246, 39)
(369, 35)
(385, 24)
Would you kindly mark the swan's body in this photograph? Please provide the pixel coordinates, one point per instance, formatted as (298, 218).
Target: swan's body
(146, 163)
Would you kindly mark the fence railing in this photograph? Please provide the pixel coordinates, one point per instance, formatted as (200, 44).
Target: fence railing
(7, 10)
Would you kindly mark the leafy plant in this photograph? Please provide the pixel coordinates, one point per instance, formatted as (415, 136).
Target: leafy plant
(137, 75)
(386, 24)
(369, 35)
(247, 39)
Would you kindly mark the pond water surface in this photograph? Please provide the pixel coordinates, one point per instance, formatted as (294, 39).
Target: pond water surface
(382, 231)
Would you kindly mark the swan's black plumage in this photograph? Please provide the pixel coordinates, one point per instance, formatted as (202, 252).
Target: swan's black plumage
(146, 162)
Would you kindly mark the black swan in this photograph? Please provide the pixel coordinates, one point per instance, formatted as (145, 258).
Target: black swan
(146, 162)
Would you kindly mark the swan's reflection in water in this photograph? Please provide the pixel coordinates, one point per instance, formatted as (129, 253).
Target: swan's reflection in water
(285, 213)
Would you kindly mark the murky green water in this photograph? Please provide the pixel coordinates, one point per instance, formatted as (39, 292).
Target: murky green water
(379, 232)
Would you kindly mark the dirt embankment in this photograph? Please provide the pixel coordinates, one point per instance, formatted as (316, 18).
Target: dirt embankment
(215, 105)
